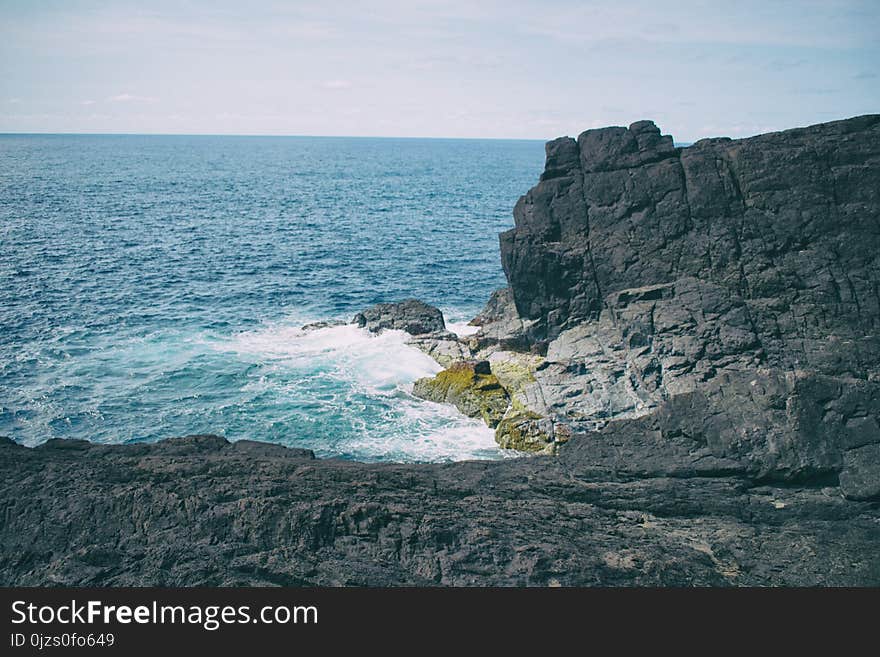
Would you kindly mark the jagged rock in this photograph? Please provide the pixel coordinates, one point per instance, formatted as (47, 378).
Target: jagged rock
(524, 425)
(500, 325)
(470, 386)
(514, 370)
(411, 315)
(785, 223)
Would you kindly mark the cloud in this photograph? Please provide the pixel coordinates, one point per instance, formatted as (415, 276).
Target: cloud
(14, 101)
(87, 102)
(131, 98)
(336, 84)
(820, 91)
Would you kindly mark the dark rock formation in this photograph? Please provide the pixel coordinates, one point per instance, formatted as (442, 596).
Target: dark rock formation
(780, 230)
(317, 326)
(500, 324)
(413, 316)
(693, 333)
(741, 276)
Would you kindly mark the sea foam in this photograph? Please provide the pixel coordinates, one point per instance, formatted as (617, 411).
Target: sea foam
(363, 382)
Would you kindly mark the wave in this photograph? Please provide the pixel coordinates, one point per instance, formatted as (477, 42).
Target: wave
(349, 394)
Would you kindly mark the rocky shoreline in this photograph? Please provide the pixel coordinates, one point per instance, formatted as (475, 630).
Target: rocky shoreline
(689, 342)
(201, 511)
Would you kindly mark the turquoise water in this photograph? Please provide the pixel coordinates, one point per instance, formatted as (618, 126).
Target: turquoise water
(154, 286)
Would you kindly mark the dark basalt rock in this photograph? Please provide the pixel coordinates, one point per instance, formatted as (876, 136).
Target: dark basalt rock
(201, 511)
(785, 223)
(741, 273)
(501, 325)
(317, 326)
(413, 316)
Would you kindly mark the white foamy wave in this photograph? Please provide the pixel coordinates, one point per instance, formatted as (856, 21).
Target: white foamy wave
(462, 329)
(381, 362)
(359, 384)
(427, 432)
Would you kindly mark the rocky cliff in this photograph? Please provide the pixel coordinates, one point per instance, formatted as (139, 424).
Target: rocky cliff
(779, 230)
(729, 291)
(689, 336)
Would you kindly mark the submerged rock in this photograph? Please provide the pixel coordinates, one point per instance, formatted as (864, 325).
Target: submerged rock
(413, 316)
(469, 386)
(317, 326)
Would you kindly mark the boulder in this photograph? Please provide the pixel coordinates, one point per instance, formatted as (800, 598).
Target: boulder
(411, 315)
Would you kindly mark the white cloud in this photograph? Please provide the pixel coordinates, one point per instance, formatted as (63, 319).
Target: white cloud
(131, 98)
(336, 84)
(87, 102)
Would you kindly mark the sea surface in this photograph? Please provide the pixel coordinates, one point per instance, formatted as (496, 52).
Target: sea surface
(155, 286)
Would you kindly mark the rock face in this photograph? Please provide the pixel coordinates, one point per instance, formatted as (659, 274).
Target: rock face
(780, 230)
(692, 333)
(740, 277)
(413, 316)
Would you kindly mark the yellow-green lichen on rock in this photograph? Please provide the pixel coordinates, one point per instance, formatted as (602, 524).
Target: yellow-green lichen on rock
(524, 430)
(471, 387)
(531, 433)
(514, 370)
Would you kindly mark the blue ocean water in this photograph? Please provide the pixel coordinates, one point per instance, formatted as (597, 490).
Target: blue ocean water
(154, 286)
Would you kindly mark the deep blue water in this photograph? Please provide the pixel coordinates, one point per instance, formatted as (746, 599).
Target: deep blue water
(154, 286)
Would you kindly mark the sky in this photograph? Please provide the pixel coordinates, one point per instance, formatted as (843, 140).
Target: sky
(423, 68)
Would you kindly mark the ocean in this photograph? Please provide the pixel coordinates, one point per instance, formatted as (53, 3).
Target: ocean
(155, 286)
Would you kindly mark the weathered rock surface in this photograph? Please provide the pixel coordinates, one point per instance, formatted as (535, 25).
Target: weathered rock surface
(780, 229)
(501, 325)
(202, 511)
(443, 346)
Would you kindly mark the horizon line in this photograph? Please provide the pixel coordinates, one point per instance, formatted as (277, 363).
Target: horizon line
(256, 134)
